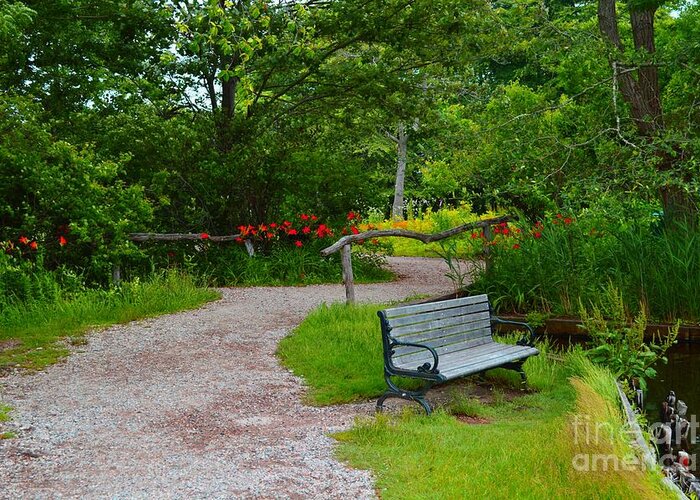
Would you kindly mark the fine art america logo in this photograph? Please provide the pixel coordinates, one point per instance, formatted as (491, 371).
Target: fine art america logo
(670, 438)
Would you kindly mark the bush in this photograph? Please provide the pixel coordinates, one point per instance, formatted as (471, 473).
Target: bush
(65, 200)
(554, 264)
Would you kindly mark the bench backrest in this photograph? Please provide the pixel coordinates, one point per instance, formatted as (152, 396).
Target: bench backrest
(446, 326)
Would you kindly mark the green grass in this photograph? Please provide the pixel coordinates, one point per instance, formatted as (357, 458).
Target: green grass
(36, 335)
(5, 417)
(338, 350)
(525, 451)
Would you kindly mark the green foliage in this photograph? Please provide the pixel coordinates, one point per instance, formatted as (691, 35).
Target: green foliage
(556, 264)
(51, 190)
(618, 344)
(204, 115)
(34, 334)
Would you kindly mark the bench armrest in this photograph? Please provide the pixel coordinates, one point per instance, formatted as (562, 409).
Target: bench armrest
(528, 340)
(426, 368)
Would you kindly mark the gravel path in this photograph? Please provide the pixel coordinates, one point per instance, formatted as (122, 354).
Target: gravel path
(189, 405)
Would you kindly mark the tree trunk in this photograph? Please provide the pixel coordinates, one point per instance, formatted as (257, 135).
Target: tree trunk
(643, 94)
(402, 151)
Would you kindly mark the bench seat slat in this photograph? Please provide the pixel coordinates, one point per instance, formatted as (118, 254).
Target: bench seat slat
(448, 343)
(446, 359)
(435, 315)
(424, 337)
(492, 362)
(435, 306)
(423, 330)
(475, 356)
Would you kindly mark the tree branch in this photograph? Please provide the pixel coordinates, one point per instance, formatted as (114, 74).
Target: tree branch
(403, 233)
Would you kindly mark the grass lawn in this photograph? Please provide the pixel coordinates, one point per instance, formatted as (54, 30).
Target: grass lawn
(526, 448)
(34, 336)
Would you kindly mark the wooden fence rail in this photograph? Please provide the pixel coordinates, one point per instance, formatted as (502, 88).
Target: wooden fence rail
(143, 237)
(140, 237)
(344, 244)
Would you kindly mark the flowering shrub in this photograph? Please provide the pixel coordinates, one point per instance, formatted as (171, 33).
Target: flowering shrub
(429, 222)
(24, 277)
(306, 229)
(552, 264)
(286, 252)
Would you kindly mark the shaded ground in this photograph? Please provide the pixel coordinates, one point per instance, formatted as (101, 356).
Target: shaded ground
(193, 404)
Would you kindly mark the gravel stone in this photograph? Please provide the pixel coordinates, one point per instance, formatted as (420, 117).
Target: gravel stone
(191, 405)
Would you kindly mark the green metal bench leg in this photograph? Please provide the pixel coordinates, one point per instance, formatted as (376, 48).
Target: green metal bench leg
(518, 367)
(396, 392)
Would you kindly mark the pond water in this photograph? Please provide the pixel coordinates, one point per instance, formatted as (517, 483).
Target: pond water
(682, 375)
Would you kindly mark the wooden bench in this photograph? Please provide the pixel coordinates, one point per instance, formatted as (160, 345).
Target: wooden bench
(445, 340)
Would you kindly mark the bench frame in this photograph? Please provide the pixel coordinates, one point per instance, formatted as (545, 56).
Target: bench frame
(430, 372)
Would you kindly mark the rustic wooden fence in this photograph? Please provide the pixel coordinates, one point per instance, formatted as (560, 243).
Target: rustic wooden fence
(344, 244)
(143, 237)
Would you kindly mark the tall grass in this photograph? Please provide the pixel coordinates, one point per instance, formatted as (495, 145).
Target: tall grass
(230, 265)
(656, 270)
(34, 335)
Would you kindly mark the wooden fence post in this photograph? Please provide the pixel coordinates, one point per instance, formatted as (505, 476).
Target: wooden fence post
(116, 274)
(346, 260)
(249, 247)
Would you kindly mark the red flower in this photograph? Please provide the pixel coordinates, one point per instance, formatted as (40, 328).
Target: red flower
(62, 241)
(351, 215)
(273, 225)
(239, 240)
(314, 218)
(24, 240)
(204, 236)
(568, 220)
(506, 231)
(354, 230)
(286, 223)
(304, 217)
(537, 234)
(560, 216)
(517, 230)
(375, 241)
(475, 235)
(263, 227)
(323, 230)
(298, 243)
(270, 236)
(292, 232)
(33, 245)
(516, 246)
(496, 230)
(306, 230)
